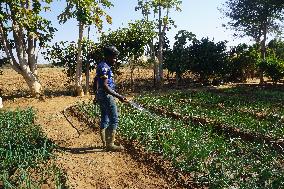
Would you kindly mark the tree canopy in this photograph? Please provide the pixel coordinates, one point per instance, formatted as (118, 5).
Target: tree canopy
(254, 17)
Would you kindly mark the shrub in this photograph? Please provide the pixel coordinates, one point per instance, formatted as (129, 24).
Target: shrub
(243, 60)
(209, 59)
(273, 68)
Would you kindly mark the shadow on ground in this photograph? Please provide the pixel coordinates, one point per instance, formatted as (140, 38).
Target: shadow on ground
(83, 150)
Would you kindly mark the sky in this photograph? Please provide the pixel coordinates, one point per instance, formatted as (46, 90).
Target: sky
(200, 17)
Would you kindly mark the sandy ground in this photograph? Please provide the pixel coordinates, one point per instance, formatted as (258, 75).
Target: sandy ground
(81, 158)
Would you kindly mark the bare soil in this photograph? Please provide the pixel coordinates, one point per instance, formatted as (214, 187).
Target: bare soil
(85, 164)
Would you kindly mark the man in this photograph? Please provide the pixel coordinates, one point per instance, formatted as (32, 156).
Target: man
(105, 97)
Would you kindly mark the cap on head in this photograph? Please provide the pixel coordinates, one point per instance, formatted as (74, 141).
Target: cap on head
(110, 51)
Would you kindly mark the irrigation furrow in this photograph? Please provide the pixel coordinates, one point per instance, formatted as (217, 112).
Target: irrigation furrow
(154, 160)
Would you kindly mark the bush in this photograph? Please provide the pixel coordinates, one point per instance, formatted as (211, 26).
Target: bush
(209, 59)
(64, 54)
(178, 60)
(242, 63)
(273, 68)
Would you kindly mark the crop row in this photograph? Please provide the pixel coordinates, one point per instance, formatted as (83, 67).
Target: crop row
(257, 94)
(212, 160)
(219, 128)
(225, 110)
(23, 150)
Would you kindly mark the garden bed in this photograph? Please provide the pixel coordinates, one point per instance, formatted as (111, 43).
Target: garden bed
(198, 155)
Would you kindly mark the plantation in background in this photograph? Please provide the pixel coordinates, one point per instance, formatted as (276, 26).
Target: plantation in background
(212, 159)
(23, 151)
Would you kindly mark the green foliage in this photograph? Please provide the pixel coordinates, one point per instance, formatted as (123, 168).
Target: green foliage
(274, 65)
(254, 18)
(178, 60)
(64, 54)
(243, 62)
(27, 18)
(166, 44)
(130, 41)
(86, 11)
(146, 6)
(22, 146)
(273, 68)
(139, 34)
(209, 59)
(276, 47)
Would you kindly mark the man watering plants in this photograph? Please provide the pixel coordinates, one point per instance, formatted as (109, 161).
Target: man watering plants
(105, 97)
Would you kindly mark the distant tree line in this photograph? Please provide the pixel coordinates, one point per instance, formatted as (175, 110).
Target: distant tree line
(214, 62)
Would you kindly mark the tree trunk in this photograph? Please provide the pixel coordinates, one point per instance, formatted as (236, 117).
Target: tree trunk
(87, 78)
(160, 73)
(32, 81)
(88, 67)
(178, 78)
(160, 49)
(131, 78)
(168, 76)
(132, 67)
(78, 79)
(26, 63)
(160, 79)
(263, 52)
(153, 57)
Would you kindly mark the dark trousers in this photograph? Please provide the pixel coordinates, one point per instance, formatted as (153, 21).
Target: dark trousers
(109, 114)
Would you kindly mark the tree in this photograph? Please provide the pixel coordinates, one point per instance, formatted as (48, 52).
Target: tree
(23, 32)
(256, 19)
(209, 59)
(178, 60)
(273, 67)
(86, 12)
(243, 61)
(162, 9)
(139, 34)
(64, 54)
(3, 59)
(276, 46)
(130, 41)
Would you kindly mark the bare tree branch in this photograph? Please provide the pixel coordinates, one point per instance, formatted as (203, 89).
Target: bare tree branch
(8, 50)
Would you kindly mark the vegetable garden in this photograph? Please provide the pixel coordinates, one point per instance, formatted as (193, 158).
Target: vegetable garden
(253, 114)
(212, 138)
(24, 153)
(194, 148)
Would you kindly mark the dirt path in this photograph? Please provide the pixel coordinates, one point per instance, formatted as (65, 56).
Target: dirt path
(81, 158)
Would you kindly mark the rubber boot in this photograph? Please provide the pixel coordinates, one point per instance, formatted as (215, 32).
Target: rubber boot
(103, 137)
(110, 138)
